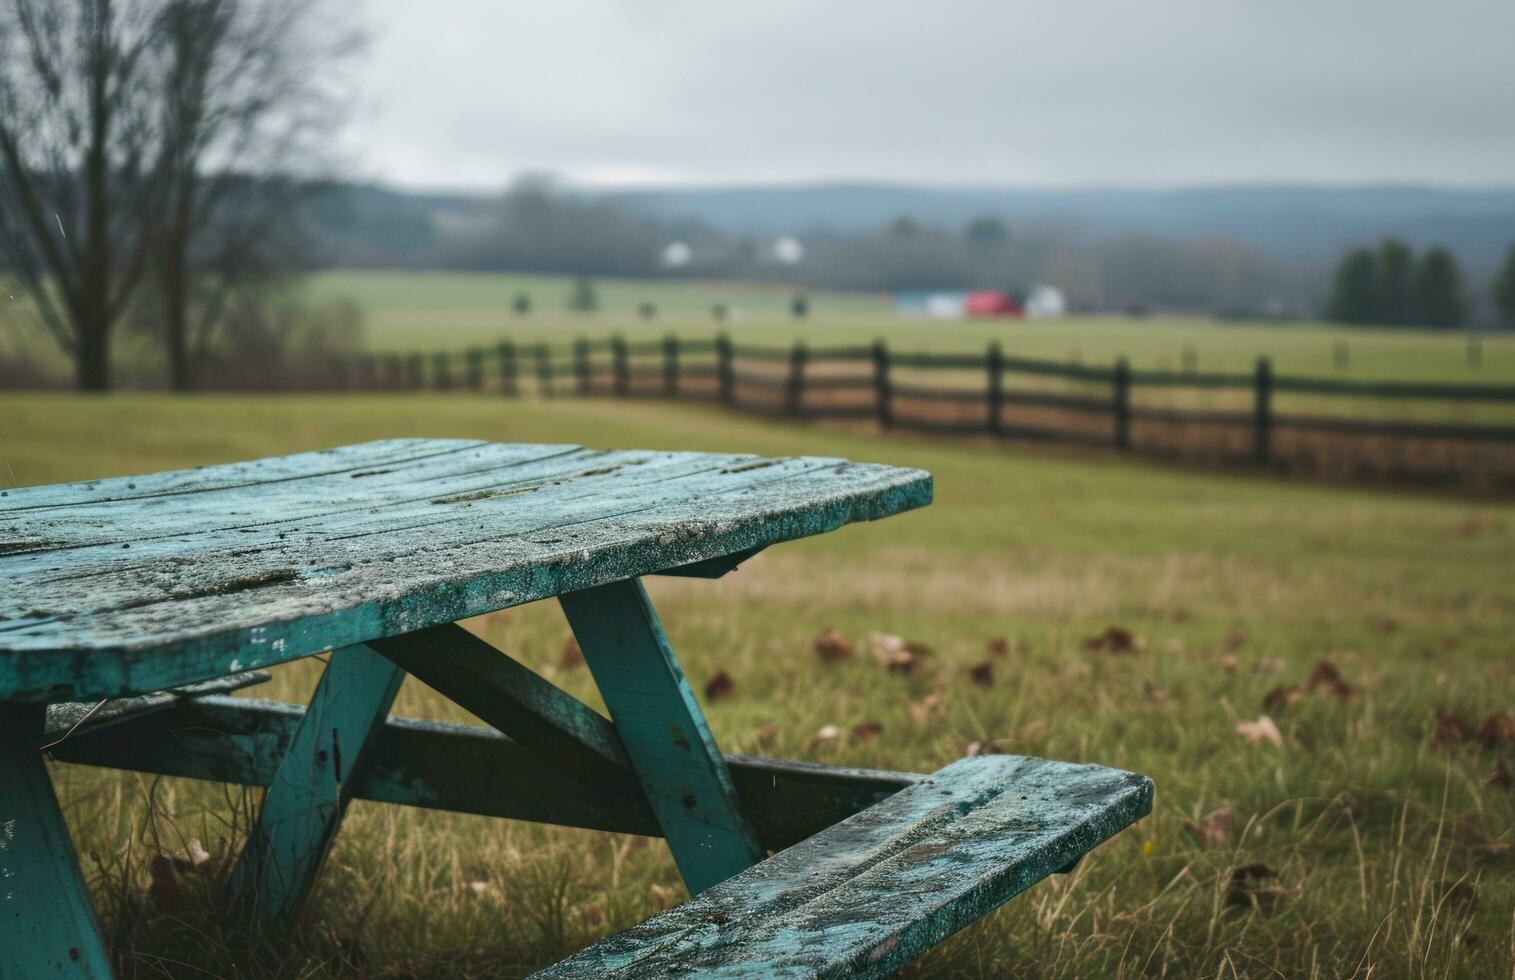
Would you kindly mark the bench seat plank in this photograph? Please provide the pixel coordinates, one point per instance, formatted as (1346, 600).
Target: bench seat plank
(864, 897)
(122, 587)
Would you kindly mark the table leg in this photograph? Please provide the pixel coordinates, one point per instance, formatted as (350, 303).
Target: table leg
(663, 731)
(310, 790)
(47, 927)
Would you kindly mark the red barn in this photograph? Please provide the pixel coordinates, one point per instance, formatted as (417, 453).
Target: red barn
(991, 302)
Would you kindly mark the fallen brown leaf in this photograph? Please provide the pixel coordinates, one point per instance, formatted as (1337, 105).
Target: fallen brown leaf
(166, 893)
(999, 647)
(866, 730)
(1116, 639)
(1244, 889)
(895, 654)
(719, 686)
(1213, 829)
(1452, 728)
(1326, 676)
(831, 646)
(982, 674)
(1157, 695)
(1283, 696)
(924, 710)
(1498, 731)
(594, 914)
(1261, 730)
(572, 656)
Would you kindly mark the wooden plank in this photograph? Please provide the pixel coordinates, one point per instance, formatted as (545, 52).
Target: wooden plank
(664, 732)
(107, 621)
(872, 893)
(200, 479)
(47, 926)
(576, 739)
(711, 567)
(438, 766)
(311, 787)
(76, 716)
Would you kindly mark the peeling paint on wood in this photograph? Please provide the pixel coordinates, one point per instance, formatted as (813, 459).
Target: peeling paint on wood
(310, 789)
(663, 731)
(120, 587)
(875, 891)
(47, 926)
(439, 766)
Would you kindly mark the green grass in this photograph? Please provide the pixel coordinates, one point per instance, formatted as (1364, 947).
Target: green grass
(406, 311)
(1393, 852)
(435, 310)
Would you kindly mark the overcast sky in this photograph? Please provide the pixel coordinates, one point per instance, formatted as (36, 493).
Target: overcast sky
(466, 93)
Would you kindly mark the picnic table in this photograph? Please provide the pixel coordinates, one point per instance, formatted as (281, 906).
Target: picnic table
(131, 608)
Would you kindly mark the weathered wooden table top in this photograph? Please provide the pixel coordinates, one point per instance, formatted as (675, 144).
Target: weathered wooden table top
(133, 584)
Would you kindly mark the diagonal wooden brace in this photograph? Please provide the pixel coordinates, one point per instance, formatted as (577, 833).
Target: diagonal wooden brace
(511, 698)
(312, 786)
(664, 732)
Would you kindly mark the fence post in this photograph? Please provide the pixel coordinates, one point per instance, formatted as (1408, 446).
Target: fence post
(475, 358)
(671, 366)
(415, 369)
(441, 371)
(581, 365)
(1262, 413)
(507, 355)
(544, 371)
(1122, 404)
(622, 367)
(882, 392)
(393, 372)
(994, 363)
(725, 378)
(794, 394)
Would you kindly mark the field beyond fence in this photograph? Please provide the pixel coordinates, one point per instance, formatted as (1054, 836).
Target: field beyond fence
(1459, 435)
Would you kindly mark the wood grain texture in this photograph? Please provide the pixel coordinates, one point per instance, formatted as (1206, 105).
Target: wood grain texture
(664, 732)
(125, 586)
(464, 768)
(311, 788)
(872, 893)
(47, 926)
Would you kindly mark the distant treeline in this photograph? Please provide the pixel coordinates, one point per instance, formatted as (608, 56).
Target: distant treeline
(534, 227)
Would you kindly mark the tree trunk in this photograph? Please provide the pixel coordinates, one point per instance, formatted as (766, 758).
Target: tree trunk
(176, 320)
(92, 358)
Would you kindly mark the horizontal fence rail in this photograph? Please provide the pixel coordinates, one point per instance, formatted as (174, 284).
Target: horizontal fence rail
(998, 395)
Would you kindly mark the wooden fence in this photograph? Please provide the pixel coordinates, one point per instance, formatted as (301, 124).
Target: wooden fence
(1357, 429)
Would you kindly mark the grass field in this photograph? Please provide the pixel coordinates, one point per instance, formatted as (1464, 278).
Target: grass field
(405, 311)
(1383, 815)
(428, 311)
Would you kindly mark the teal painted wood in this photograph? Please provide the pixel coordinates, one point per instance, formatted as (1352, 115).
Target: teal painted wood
(123, 587)
(463, 768)
(311, 787)
(77, 716)
(711, 567)
(664, 732)
(565, 731)
(47, 926)
(872, 893)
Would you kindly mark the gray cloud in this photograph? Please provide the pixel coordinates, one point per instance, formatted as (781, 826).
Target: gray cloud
(469, 92)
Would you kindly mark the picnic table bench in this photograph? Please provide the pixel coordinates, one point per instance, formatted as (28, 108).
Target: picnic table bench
(131, 609)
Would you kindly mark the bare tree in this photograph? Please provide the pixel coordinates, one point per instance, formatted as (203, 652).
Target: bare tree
(251, 93)
(81, 164)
